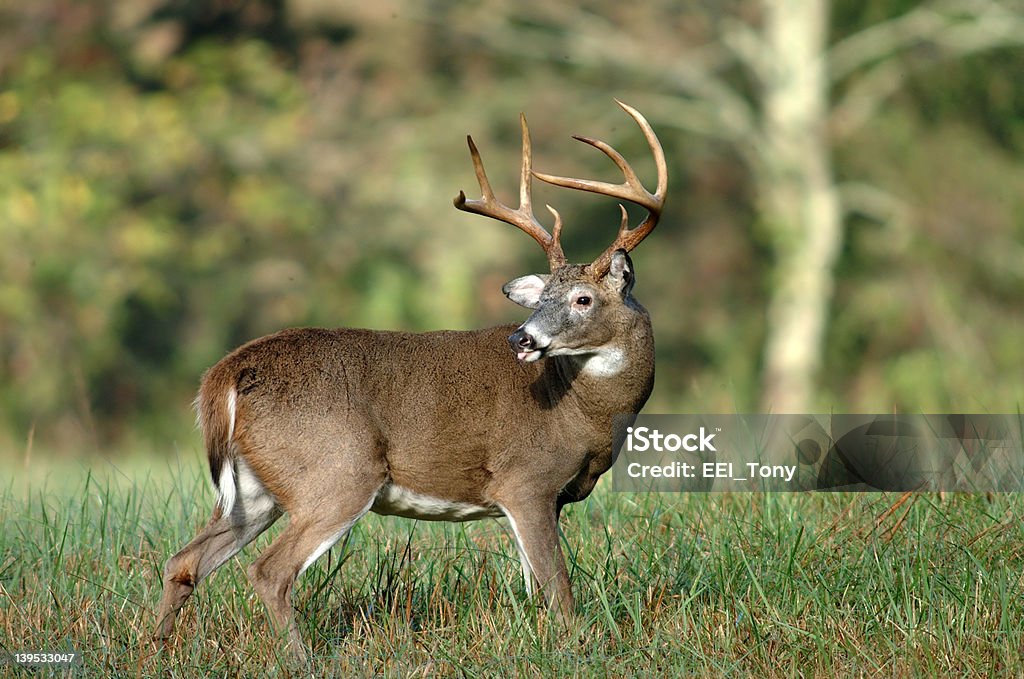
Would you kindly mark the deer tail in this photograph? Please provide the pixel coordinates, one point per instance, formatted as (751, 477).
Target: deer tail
(216, 414)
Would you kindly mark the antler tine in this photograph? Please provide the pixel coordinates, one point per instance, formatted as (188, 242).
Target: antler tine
(522, 217)
(631, 190)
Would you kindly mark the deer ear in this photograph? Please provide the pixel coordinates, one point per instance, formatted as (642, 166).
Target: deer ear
(525, 290)
(620, 272)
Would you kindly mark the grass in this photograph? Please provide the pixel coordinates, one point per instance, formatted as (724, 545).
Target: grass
(767, 585)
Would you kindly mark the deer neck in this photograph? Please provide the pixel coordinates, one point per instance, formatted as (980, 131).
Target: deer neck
(616, 378)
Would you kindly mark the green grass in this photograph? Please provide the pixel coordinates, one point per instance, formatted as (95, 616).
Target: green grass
(767, 585)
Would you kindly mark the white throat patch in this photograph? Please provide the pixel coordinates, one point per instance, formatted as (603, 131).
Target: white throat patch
(606, 362)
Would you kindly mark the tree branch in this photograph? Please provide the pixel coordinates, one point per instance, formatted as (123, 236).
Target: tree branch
(883, 40)
(967, 24)
(989, 26)
(714, 108)
(879, 205)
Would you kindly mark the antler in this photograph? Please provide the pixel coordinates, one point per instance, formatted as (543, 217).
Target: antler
(630, 190)
(523, 217)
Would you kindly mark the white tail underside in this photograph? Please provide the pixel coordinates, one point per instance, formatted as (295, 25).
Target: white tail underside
(226, 490)
(226, 487)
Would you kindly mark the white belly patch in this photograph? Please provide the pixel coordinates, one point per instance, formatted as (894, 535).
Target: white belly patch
(395, 500)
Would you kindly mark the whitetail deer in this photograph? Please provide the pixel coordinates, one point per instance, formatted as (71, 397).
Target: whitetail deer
(327, 425)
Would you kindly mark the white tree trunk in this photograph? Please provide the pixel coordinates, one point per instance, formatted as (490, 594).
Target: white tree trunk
(800, 205)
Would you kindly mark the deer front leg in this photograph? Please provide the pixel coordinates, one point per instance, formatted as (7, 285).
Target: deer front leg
(535, 526)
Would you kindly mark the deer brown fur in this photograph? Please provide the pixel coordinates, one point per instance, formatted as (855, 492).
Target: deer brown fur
(326, 425)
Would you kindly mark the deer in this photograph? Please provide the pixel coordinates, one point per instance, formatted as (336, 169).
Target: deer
(326, 425)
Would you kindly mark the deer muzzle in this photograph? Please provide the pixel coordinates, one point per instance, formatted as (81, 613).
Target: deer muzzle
(524, 345)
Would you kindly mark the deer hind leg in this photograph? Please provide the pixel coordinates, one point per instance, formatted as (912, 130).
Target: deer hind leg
(308, 536)
(535, 526)
(224, 536)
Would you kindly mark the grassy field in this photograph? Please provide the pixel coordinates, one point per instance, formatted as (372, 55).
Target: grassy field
(767, 585)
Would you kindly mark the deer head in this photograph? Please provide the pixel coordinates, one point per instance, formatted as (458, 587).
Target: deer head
(569, 303)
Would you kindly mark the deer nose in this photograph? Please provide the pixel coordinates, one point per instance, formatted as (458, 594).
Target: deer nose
(521, 340)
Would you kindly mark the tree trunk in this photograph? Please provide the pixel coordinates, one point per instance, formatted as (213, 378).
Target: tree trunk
(800, 206)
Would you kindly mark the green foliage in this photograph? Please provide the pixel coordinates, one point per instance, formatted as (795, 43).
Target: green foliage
(177, 178)
(122, 206)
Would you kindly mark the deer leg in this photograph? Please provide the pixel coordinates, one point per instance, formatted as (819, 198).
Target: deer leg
(536, 531)
(306, 539)
(223, 537)
(524, 563)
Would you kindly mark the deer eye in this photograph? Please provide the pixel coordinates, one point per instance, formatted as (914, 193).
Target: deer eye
(583, 300)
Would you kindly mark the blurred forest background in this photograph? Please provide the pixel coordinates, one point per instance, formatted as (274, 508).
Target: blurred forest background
(844, 230)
